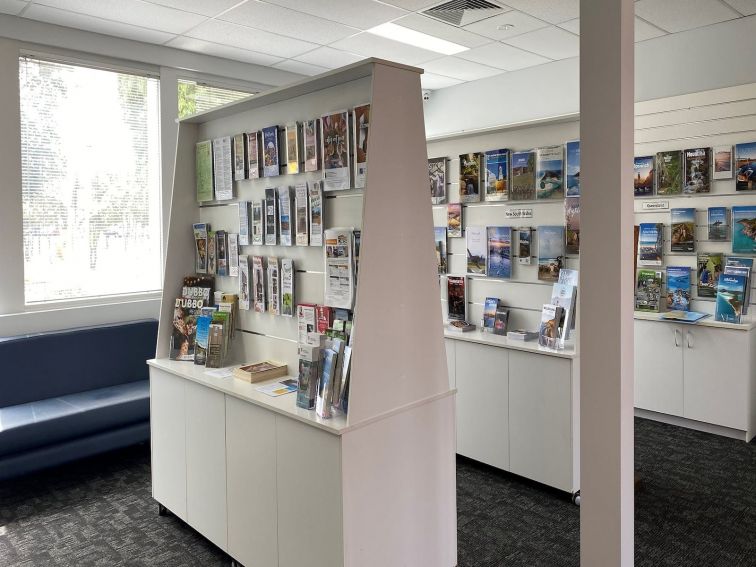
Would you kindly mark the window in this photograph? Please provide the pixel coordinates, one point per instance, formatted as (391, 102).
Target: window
(90, 150)
(196, 97)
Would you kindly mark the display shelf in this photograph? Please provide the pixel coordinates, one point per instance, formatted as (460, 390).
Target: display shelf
(271, 463)
(490, 339)
(748, 324)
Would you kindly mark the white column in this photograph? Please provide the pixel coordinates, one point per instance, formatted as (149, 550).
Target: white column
(168, 133)
(606, 248)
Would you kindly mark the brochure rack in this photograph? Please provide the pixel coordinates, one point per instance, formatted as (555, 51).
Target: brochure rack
(270, 483)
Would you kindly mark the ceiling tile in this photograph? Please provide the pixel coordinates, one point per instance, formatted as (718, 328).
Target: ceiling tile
(551, 42)
(431, 81)
(132, 12)
(412, 5)
(243, 37)
(217, 50)
(441, 30)
(552, 11)
(503, 56)
(291, 23)
(461, 69)
(301, 68)
(363, 14)
(520, 23)
(680, 15)
(11, 6)
(97, 25)
(329, 57)
(644, 31)
(745, 7)
(205, 7)
(371, 45)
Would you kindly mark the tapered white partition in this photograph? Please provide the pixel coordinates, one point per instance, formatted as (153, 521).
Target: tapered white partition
(374, 487)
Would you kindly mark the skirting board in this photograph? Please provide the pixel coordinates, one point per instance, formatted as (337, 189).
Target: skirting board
(692, 424)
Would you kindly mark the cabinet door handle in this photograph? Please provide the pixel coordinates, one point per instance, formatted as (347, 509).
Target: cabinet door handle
(677, 344)
(689, 334)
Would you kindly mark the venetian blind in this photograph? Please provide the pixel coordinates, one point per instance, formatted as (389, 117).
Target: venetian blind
(198, 97)
(90, 150)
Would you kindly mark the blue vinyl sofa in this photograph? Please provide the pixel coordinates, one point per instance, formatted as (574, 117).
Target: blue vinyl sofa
(70, 394)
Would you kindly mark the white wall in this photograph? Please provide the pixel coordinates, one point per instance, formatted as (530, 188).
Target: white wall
(17, 34)
(707, 58)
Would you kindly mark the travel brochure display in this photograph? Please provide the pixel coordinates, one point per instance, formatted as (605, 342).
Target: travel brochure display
(258, 223)
(550, 172)
(456, 298)
(710, 267)
(489, 313)
(524, 240)
(644, 176)
(334, 138)
(259, 296)
(683, 230)
(745, 166)
(271, 216)
(222, 169)
(301, 215)
(650, 244)
(475, 239)
(271, 164)
(548, 332)
(244, 287)
(744, 230)
(361, 121)
(678, 288)
(454, 220)
(293, 144)
(240, 157)
(744, 267)
(572, 168)
(718, 223)
(722, 162)
(440, 241)
(648, 290)
(564, 295)
(315, 194)
(311, 131)
(285, 204)
(730, 298)
(339, 268)
(523, 176)
(550, 252)
(469, 177)
(243, 223)
(669, 173)
(273, 286)
(287, 287)
(437, 179)
(200, 247)
(572, 224)
(204, 171)
(253, 154)
(496, 175)
(697, 170)
(499, 264)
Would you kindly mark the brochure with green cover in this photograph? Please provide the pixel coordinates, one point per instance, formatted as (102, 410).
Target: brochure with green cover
(204, 167)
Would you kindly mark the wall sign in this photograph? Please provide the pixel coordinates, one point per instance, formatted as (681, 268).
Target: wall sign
(655, 205)
(519, 213)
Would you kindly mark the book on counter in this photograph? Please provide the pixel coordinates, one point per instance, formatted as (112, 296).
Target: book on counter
(259, 371)
(462, 326)
(522, 335)
(683, 316)
(500, 321)
(489, 313)
(215, 346)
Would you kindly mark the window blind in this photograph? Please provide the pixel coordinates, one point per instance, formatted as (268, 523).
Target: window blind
(197, 97)
(90, 150)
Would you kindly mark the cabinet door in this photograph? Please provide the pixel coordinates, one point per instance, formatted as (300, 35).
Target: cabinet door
(251, 501)
(308, 483)
(168, 441)
(482, 403)
(659, 367)
(450, 361)
(540, 418)
(206, 462)
(716, 365)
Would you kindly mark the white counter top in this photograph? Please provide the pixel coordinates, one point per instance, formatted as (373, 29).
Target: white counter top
(747, 324)
(285, 405)
(501, 341)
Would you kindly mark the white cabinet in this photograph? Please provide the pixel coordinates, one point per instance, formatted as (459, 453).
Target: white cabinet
(451, 358)
(482, 403)
(541, 418)
(206, 462)
(168, 440)
(251, 477)
(716, 364)
(659, 367)
(703, 373)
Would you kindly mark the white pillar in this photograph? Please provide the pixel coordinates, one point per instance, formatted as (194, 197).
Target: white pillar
(606, 248)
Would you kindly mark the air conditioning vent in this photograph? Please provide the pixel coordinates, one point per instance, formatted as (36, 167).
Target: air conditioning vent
(463, 12)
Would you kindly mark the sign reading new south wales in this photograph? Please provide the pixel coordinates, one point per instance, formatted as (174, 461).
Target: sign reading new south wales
(655, 205)
(519, 213)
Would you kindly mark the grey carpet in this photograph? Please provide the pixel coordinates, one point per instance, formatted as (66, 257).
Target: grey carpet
(697, 508)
